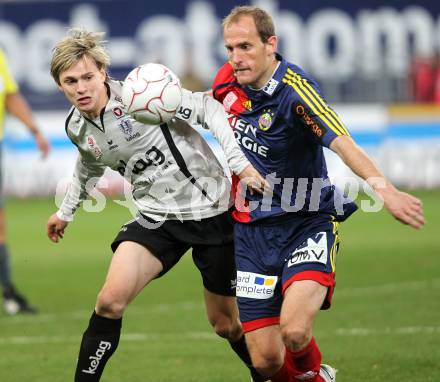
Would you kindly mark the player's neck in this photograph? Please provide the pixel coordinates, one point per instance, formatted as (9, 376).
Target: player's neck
(268, 74)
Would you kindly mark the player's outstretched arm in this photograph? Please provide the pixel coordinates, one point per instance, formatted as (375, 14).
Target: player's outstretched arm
(404, 207)
(19, 108)
(55, 228)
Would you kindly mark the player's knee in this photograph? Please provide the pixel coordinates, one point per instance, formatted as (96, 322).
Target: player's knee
(227, 327)
(222, 329)
(296, 337)
(268, 363)
(227, 330)
(108, 305)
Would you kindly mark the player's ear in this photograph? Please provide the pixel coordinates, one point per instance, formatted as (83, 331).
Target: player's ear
(103, 73)
(272, 44)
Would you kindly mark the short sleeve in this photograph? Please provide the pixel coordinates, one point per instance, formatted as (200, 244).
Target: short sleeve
(312, 112)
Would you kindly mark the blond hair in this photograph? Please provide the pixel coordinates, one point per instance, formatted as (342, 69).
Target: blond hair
(78, 44)
(263, 21)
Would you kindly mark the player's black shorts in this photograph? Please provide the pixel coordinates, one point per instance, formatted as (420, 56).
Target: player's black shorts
(211, 240)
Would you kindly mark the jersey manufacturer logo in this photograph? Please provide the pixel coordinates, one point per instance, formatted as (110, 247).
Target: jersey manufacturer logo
(229, 100)
(93, 146)
(265, 120)
(247, 104)
(313, 250)
(255, 285)
(112, 145)
(117, 112)
(271, 86)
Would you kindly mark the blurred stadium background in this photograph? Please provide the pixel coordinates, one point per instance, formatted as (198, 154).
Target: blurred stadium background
(378, 65)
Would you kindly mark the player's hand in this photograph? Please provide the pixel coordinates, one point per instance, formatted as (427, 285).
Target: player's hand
(404, 207)
(253, 180)
(55, 228)
(42, 143)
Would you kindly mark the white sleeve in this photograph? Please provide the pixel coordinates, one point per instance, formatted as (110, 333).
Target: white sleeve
(85, 177)
(201, 108)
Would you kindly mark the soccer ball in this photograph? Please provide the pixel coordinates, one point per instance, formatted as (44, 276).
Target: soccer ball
(151, 94)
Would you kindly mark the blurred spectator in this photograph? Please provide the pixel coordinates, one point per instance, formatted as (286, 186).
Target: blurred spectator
(425, 79)
(436, 83)
(13, 102)
(190, 80)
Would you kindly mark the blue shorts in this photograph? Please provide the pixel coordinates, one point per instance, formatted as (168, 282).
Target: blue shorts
(273, 254)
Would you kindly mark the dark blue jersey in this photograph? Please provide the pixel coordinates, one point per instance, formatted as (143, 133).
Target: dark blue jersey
(282, 129)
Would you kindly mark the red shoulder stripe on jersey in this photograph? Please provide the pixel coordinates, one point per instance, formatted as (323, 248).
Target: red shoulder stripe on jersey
(225, 89)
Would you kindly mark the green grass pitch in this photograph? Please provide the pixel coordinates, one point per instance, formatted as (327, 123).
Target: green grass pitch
(384, 325)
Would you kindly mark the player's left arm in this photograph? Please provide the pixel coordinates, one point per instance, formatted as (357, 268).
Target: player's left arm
(16, 105)
(404, 207)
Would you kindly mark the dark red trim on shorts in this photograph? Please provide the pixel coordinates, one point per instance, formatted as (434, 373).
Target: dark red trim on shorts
(326, 279)
(259, 323)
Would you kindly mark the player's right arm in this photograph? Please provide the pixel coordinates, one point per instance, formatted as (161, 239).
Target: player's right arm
(85, 178)
(216, 120)
(313, 113)
(210, 114)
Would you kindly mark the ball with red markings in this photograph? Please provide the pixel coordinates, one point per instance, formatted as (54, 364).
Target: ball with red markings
(151, 94)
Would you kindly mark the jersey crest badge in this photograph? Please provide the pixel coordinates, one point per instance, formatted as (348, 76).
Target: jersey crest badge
(117, 112)
(265, 120)
(94, 148)
(126, 126)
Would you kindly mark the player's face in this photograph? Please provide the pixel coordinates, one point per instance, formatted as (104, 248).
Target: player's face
(252, 59)
(83, 85)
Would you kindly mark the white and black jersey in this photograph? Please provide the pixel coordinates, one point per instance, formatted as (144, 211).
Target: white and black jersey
(173, 172)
